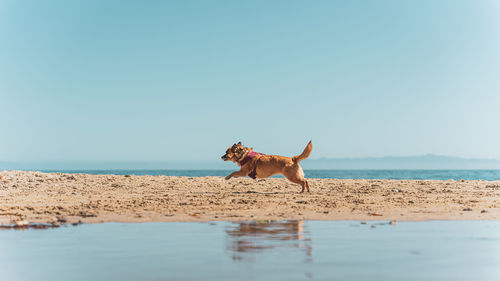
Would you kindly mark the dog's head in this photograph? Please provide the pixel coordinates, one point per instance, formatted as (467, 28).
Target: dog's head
(234, 152)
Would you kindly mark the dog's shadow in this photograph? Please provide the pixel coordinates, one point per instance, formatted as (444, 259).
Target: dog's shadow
(252, 191)
(263, 193)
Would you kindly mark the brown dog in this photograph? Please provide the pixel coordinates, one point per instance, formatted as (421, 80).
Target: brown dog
(258, 165)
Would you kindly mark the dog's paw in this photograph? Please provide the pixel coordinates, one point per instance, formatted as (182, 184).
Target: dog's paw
(228, 177)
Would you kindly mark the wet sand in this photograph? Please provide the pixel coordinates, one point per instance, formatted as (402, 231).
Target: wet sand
(57, 198)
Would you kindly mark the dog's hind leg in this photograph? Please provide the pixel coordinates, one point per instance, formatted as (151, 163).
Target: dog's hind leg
(302, 183)
(298, 180)
(296, 175)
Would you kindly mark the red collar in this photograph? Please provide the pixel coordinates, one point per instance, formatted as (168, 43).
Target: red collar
(249, 157)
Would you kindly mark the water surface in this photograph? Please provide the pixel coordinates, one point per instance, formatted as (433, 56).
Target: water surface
(262, 250)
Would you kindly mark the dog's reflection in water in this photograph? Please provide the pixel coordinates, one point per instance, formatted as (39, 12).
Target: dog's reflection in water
(246, 240)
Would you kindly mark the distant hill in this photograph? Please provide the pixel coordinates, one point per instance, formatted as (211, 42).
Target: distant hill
(429, 161)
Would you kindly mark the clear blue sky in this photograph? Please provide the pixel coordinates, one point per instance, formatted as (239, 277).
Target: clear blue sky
(182, 80)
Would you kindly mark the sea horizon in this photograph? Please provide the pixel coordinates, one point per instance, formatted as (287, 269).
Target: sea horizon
(394, 174)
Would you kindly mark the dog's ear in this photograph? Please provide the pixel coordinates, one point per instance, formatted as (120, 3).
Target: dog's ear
(239, 143)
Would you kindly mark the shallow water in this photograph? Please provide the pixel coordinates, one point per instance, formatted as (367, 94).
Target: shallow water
(321, 174)
(283, 250)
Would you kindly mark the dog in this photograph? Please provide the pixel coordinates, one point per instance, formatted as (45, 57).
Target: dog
(258, 165)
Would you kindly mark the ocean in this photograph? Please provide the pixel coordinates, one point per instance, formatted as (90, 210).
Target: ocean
(489, 175)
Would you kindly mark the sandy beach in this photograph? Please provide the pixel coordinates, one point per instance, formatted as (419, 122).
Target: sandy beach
(58, 198)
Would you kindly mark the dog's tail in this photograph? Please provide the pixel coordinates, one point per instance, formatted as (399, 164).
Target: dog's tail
(305, 153)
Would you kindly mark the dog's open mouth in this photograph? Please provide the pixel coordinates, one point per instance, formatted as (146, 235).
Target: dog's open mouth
(224, 157)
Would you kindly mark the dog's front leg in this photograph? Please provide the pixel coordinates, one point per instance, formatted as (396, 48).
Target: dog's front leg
(240, 173)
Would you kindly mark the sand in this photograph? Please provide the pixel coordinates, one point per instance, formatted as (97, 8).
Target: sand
(57, 198)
